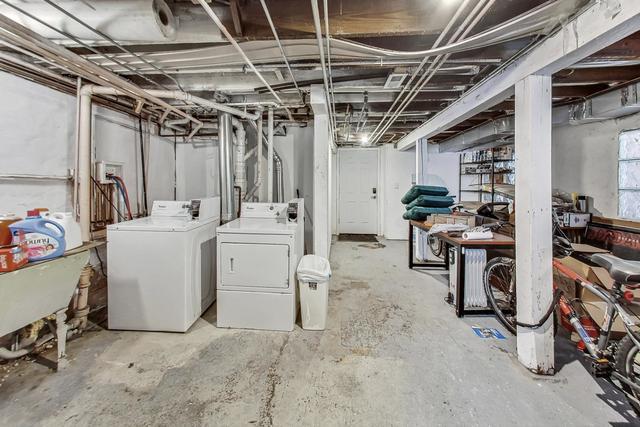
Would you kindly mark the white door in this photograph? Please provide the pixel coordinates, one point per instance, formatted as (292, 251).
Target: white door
(254, 265)
(358, 191)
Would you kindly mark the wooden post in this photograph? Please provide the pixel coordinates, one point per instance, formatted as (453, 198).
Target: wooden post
(533, 221)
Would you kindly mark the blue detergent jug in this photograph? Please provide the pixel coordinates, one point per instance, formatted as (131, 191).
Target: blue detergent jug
(45, 238)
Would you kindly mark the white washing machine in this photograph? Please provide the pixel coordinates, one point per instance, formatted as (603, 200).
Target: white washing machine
(258, 255)
(161, 269)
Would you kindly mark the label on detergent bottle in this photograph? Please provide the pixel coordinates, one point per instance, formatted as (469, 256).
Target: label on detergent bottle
(40, 245)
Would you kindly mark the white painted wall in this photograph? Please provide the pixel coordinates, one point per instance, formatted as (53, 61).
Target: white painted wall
(585, 160)
(197, 169)
(37, 130)
(398, 170)
(285, 146)
(303, 175)
(442, 169)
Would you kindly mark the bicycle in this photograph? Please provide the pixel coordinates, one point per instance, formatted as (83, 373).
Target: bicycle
(619, 360)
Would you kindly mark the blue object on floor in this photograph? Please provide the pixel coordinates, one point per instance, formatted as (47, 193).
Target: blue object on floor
(488, 333)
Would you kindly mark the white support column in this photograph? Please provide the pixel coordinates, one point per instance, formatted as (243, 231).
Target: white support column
(321, 173)
(270, 155)
(533, 221)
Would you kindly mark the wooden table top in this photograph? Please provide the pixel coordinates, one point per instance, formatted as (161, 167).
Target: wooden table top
(498, 240)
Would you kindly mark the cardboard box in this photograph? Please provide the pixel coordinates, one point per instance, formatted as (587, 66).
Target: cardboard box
(458, 218)
(592, 305)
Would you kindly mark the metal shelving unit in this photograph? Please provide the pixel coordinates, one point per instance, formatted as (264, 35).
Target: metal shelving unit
(492, 173)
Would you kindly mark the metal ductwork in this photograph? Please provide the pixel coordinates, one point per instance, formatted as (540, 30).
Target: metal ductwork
(611, 105)
(128, 20)
(225, 137)
(494, 134)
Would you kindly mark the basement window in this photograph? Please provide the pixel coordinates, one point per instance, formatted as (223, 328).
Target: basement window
(629, 174)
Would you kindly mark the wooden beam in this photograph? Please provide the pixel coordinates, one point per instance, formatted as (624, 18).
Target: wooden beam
(237, 19)
(592, 30)
(597, 75)
(577, 91)
(533, 222)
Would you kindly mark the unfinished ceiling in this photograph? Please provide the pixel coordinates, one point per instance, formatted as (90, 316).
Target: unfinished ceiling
(383, 86)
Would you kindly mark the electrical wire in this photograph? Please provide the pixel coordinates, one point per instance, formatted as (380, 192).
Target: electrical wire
(144, 171)
(327, 37)
(532, 22)
(125, 194)
(441, 37)
(478, 12)
(106, 196)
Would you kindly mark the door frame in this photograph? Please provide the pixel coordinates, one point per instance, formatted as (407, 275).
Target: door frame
(380, 191)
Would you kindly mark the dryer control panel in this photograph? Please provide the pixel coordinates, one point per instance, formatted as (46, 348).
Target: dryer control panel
(264, 210)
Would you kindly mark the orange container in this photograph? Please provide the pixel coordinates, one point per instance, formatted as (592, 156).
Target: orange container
(13, 257)
(5, 233)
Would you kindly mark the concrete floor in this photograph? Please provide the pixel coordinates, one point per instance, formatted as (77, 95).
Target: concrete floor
(393, 354)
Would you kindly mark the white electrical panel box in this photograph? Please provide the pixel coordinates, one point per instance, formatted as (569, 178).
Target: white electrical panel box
(103, 169)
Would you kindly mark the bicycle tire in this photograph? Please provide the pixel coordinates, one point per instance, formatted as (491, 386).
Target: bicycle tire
(625, 360)
(497, 277)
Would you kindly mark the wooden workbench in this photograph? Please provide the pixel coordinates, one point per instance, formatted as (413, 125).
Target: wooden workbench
(459, 244)
(499, 241)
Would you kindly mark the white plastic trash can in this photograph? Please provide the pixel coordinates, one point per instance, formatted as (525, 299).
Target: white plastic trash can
(314, 273)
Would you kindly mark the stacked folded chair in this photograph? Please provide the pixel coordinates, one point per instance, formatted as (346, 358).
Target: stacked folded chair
(424, 200)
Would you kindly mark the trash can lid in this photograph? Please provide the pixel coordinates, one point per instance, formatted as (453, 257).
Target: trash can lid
(314, 268)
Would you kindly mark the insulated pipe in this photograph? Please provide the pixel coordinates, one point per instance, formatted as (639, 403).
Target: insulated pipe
(316, 21)
(15, 34)
(131, 20)
(270, 155)
(240, 163)
(84, 164)
(277, 165)
(81, 307)
(260, 159)
(225, 137)
(179, 95)
(6, 354)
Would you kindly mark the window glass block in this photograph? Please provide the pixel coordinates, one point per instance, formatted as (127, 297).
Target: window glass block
(630, 145)
(629, 174)
(629, 204)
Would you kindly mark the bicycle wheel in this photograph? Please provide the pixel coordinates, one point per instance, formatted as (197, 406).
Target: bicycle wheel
(435, 245)
(500, 287)
(627, 361)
